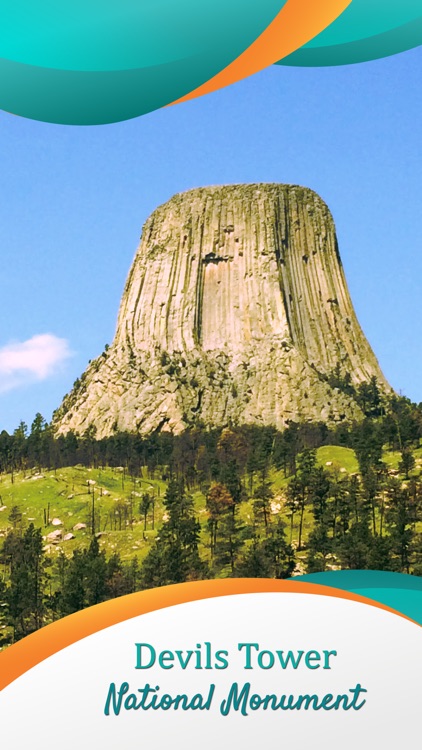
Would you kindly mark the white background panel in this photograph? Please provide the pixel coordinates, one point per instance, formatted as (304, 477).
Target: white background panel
(60, 703)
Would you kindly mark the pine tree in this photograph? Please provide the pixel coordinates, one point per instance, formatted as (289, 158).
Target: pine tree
(229, 542)
(174, 556)
(261, 505)
(219, 502)
(299, 489)
(407, 462)
(25, 595)
(400, 520)
(144, 507)
(270, 557)
(84, 580)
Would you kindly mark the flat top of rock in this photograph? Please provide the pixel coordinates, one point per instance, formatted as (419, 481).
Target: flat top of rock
(242, 190)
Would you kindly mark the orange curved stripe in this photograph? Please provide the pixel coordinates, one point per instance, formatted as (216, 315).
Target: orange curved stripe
(33, 649)
(297, 23)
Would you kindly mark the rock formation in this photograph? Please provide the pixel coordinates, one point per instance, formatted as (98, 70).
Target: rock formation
(236, 310)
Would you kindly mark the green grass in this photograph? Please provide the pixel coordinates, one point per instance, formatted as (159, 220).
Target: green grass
(338, 457)
(393, 458)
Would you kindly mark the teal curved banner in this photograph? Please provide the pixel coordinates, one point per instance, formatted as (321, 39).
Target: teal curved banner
(104, 61)
(87, 63)
(367, 30)
(396, 590)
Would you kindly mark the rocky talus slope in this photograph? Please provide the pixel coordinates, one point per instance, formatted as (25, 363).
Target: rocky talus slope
(236, 310)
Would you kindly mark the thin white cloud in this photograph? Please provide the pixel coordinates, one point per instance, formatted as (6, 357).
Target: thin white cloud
(36, 359)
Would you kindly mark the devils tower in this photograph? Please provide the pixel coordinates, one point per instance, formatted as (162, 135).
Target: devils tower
(236, 310)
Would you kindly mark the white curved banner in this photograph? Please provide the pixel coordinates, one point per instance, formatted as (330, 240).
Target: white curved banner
(261, 669)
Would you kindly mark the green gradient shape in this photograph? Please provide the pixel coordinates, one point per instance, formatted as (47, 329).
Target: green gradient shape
(367, 30)
(67, 63)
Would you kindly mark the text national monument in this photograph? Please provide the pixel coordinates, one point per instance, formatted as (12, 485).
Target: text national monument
(235, 311)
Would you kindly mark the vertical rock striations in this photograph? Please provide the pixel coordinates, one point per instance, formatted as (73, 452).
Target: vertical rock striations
(236, 310)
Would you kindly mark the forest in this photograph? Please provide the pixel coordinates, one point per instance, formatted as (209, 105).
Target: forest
(243, 501)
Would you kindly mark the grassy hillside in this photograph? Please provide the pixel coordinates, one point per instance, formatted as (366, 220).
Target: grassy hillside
(70, 495)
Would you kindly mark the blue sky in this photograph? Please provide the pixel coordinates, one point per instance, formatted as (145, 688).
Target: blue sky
(73, 201)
